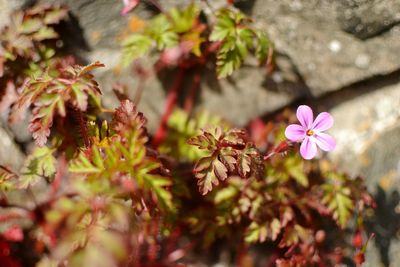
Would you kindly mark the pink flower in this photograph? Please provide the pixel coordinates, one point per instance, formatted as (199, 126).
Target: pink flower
(128, 6)
(311, 132)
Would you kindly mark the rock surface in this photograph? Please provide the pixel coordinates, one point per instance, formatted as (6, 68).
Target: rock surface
(327, 57)
(10, 156)
(367, 18)
(367, 130)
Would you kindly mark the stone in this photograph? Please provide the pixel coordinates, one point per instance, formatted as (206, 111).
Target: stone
(326, 57)
(367, 18)
(11, 155)
(367, 130)
(6, 8)
(249, 93)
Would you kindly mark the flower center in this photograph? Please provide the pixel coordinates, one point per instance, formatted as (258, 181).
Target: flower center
(310, 132)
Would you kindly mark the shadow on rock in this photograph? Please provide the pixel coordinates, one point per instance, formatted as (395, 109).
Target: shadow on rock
(385, 223)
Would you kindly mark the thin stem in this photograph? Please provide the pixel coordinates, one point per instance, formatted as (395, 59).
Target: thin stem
(170, 104)
(82, 126)
(189, 101)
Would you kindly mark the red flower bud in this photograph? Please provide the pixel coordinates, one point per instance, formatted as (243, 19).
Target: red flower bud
(359, 258)
(357, 239)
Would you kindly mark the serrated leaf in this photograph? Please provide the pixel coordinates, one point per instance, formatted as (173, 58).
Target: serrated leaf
(339, 202)
(262, 47)
(55, 16)
(135, 46)
(225, 27)
(39, 164)
(158, 185)
(275, 227)
(294, 167)
(225, 194)
(220, 170)
(227, 62)
(244, 162)
(83, 165)
(7, 178)
(256, 233)
(293, 235)
(183, 20)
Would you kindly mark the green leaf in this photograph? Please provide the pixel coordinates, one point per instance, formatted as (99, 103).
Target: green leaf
(256, 233)
(293, 235)
(228, 61)
(39, 164)
(83, 165)
(225, 194)
(135, 46)
(160, 30)
(224, 28)
(262, 47)
(45, 33)
(183, 20)
(31, 25)
(158, 185)
(295, 168)
(7, 179)
(338, 200)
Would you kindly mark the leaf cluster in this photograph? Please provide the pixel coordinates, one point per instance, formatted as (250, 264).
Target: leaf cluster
(184, 39)
(237, 37)
(228, 153)
(53, 96)
(27, 46)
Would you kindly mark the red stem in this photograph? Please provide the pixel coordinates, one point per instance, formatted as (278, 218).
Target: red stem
(189, 101)
(82, 125)
(170, 104)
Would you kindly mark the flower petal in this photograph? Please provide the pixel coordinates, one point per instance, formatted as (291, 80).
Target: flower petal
(305, 116)
(325, 141)
(295, 132)
(323, 122)
(308, 148)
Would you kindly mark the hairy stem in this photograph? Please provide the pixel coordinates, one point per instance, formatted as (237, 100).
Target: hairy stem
(82, 126)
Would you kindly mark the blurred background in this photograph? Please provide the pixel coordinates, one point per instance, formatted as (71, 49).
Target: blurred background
(342, 56)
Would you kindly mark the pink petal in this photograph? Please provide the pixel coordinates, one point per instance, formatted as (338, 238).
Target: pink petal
(308, 148)
(325, 141)
(305, 116)
(295, 132)
(323, 122)
(129, 5)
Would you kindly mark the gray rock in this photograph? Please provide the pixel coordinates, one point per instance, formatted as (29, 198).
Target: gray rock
(367, 18)
(10, 155)
(97, 24)
(367, 130)
(249, 93)
(6, 8)
(326, 57)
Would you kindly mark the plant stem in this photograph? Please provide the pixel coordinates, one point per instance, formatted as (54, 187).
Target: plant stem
(82, 125)
(170, 104)
(189, 101)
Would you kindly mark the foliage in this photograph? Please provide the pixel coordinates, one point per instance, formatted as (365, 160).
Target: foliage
(183, 38)
(53, 96)
(28, 45)
(97, 191)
